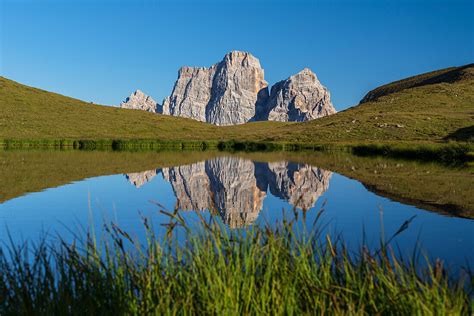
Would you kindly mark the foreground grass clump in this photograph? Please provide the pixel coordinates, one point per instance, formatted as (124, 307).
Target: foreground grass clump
(211, 270)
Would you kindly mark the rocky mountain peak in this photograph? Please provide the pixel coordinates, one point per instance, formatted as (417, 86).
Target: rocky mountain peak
(244, 59)
(299, 98)
(227, 93)
(140, 101)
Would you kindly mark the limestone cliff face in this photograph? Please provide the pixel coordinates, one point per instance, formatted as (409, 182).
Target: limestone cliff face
(191, 93)
(238, 91)
(227, 93)
(235, 188)
(299, 98)
(140, 101)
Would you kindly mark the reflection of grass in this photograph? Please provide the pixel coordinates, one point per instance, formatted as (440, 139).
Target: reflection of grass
(261, 270)
(447, 153)
(34, 170)
(428, 185)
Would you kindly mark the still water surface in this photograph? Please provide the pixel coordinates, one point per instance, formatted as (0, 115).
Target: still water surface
(243, 193)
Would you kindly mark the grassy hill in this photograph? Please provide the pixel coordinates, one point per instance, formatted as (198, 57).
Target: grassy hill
(29, 113)
(448, 75)
(424, 108)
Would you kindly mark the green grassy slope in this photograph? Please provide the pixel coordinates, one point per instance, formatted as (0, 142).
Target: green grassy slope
(448, 75)
(29, 113)
(427, 113)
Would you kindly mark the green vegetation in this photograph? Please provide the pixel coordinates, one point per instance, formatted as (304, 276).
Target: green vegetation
(448, 75)
(260, 270)
(418, 110)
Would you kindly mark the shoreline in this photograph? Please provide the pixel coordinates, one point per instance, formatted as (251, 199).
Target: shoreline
(449, 152)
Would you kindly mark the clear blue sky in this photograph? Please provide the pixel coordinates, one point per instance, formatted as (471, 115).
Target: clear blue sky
(101, 51)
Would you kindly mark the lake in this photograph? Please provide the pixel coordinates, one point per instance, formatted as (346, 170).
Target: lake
(63, 193)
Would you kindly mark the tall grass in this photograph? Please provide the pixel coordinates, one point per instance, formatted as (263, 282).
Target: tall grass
(208, 269)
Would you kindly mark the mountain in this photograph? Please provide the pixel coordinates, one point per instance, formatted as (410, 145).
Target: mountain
(140, 101)
(299, 98)
(431, 107)
(234, 91)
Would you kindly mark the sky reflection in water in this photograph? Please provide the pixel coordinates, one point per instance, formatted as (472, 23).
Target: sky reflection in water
(242, 192)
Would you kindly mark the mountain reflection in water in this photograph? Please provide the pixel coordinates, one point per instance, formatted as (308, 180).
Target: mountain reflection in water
(236, 187)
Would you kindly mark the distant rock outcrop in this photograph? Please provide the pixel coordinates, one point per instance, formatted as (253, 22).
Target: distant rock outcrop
(234, 91)
(227, 93)
(140, 101)
(239, 90)
(299, 98)
(191, 93)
